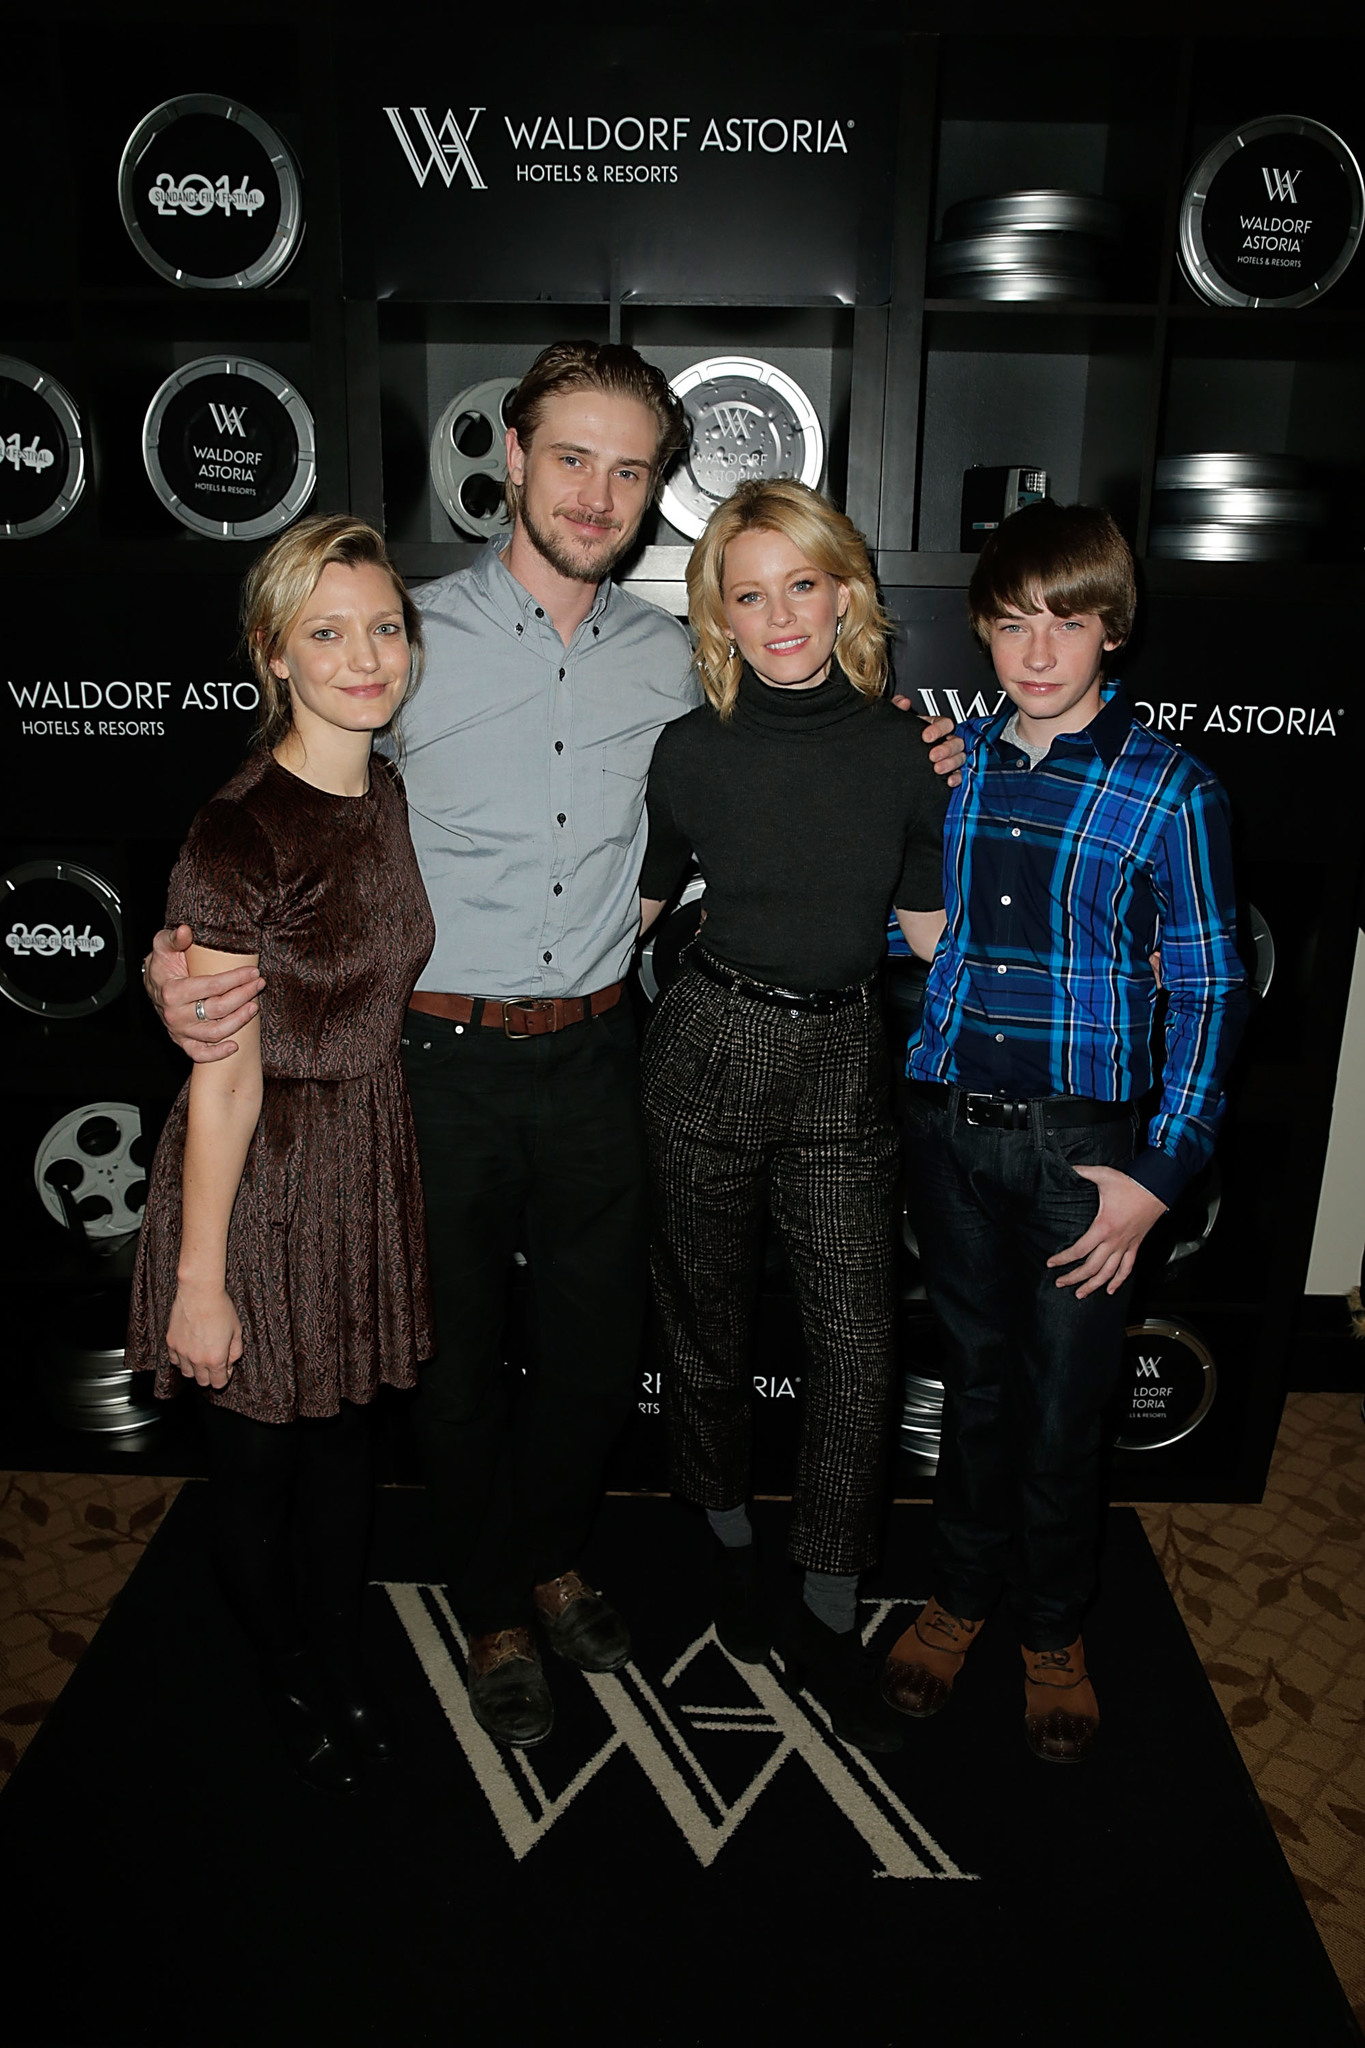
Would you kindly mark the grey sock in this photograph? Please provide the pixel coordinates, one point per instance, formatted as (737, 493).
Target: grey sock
(832, 1597)
(732, 1525)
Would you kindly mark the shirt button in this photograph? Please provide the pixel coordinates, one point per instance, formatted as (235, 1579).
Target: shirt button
(547, 958)
(1014, 831)
(1004, 899)
(540, 611)
(561, 675)
(518, 628)
(562, 816)
(1001, 970)
(594, 632)
(559, 888)
(559, 746)
(1000, 1038)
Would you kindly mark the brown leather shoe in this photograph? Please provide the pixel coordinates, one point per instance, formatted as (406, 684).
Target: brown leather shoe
(1061, 1713)
(924, 1662)
(507, 1690)
(580, 1624)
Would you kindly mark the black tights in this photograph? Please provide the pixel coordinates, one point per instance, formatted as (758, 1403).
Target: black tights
(292, 1505)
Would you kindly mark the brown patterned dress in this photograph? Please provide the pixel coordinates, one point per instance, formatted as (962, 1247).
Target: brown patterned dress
(326, 1256)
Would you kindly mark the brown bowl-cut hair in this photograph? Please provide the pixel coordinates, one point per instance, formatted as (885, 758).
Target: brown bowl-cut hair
(1067, 558)
(828, 539)
(595, 366)
(279, 585)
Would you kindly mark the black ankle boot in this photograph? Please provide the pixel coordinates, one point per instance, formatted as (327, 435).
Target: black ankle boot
(836, 1670)
(296, 1693)
(743, 1624)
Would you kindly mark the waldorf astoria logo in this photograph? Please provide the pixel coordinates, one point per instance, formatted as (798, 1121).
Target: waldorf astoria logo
(229, 448)
(42, 453)
(1272, 214)
(688, 1732)
(210, 194)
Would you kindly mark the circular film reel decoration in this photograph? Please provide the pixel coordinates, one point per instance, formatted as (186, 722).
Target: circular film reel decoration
(469, 457)
(748, 420)
(62, 930)
(1262, 961)
(1168, 1386)
(230, 448)
(211, 195)
(90, 1171)
(42, 451)
(1272, 214)
(661, 953)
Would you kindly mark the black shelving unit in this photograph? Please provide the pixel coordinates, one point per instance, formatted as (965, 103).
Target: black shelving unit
(910, 387)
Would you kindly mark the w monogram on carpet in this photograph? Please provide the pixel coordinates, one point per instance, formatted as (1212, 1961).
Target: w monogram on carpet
(692, 1857)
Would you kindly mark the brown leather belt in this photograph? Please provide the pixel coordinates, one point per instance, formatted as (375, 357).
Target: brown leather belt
(526, 1017)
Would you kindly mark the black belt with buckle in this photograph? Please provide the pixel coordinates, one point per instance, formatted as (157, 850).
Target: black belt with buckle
(820, 1001)
(998, 1113)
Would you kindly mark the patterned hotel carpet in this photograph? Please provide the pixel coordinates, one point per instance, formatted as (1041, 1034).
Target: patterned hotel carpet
(1273, 1596)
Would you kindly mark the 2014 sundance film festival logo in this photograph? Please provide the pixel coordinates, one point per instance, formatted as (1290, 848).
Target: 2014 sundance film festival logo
(42, 451)
(600, 149)
(210, 195)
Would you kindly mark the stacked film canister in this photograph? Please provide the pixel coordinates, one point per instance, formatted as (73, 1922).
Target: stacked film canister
(1025, 245)
(1234, 507)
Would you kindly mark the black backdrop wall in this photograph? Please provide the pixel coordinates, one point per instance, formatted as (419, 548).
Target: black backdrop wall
(469, 194)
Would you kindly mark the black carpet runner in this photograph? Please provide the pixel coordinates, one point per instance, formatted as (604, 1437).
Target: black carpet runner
(692, 1857)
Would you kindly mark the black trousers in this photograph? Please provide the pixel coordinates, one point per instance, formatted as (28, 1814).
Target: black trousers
(748, 1105)
(1028, 1367)
(530, 1145)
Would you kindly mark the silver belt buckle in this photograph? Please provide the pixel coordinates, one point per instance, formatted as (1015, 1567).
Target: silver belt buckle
(533, 1003)
(971, 1101)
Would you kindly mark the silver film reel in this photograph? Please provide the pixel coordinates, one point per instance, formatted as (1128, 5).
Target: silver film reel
(469, 457)
(748, 420)
(93, 1157)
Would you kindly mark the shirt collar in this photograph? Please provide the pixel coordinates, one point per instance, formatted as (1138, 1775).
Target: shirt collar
(1105, 734)
(515, 602)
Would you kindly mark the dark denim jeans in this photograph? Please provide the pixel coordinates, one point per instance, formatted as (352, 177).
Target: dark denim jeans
(531, 1145)
(1028, 1368)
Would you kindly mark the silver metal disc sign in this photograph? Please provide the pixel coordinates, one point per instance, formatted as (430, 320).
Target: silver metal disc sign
(1168, 1386)
(210, 194)
(62, 951)
(42, 451)
(748, 420)
(229, 448)
(469, 457)
(1272, 214)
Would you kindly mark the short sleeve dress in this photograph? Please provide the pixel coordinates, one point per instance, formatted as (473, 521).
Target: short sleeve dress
(326, 1255)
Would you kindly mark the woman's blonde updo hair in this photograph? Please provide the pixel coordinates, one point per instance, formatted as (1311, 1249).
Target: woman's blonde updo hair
(280, 584)
(828, 540)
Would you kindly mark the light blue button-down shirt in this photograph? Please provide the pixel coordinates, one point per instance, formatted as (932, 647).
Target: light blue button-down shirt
(525, 763)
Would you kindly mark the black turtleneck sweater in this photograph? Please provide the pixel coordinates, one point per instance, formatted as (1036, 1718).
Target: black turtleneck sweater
(811, 812)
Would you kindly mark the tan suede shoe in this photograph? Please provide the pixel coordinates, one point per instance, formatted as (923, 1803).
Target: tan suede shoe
(923, 1663)
(1061, 1713)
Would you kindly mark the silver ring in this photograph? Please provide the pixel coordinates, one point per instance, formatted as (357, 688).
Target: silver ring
(200, 1011)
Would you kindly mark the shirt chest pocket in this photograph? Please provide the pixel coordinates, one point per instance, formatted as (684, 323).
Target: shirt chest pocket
(620, 796)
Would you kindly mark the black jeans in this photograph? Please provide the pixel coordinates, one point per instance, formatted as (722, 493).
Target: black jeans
(530, 1145)
(1028, 1367)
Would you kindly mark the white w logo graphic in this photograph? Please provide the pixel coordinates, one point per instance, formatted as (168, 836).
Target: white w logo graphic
(1149, 1368)
(229, 419)
(734, 420)
(641, 1721)
(445, 149)
(1280, 184)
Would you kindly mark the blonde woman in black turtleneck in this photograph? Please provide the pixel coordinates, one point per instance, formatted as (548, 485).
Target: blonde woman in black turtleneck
(811, 807)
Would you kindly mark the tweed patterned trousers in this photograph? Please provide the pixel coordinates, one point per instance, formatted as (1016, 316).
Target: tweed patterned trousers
(750, 1106)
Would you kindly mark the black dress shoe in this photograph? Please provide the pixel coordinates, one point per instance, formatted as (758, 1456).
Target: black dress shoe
(581, 1625)
(366, 1722)
(836, 1670)
(314, 1741)
(507, 1690)
(743, 1623)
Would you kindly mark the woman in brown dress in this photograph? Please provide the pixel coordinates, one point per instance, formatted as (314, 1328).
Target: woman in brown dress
(282, 1265)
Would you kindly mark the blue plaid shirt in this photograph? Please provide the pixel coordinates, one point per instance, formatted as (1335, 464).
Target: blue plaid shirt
(1060, 881)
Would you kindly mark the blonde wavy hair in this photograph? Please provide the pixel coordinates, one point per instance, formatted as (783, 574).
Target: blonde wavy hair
(279, 585)
(829, 540)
